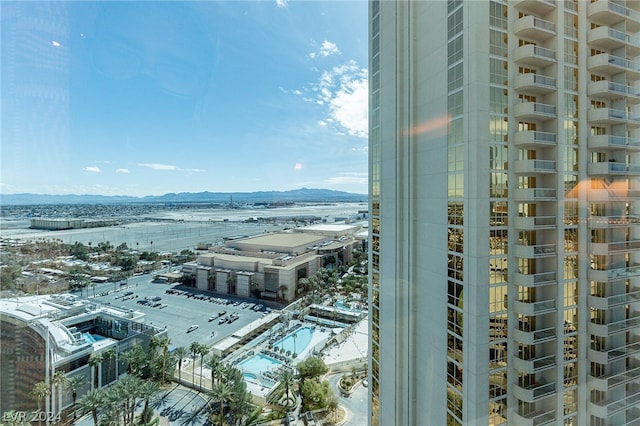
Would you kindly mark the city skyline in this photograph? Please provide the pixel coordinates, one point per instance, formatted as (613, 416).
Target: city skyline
(149, 98)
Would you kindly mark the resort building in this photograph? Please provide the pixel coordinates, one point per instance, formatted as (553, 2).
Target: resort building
(270, 266)
(504, 196)
(43, 335)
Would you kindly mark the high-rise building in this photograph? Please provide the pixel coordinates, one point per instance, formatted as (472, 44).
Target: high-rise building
(505, 224)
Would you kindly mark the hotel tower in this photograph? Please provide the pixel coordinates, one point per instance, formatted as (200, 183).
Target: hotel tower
(505, 212)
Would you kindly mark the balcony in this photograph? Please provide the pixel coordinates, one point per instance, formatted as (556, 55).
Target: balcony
(534, 139)
(535, 418)
(534, 28)
(534, 251)
(605, 142)
(609, 168)
(610, 355)
(534, 166)
(535, 222)
(612, 328)
(538, 7)
(605, 63)
(609, 381)
(607, 38)
(533, 55)
(613, 301)
(610, 90)
(605, 249)
(534, 365)
(534, 337)
(534, 280)
(608, 12)
(612, 195)
(534, 83)
(610, 407)
(534, 392)
(611, 117)
(535, 194)
(606, 222)
(534, 308)
(534, 111)
(609, 275)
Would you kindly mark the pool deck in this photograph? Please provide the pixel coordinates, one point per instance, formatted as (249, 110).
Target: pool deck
(355, 347)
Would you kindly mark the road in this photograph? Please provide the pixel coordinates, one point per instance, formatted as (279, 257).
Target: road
(356, 405)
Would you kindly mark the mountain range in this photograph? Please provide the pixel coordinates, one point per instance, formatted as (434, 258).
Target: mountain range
(302, 195)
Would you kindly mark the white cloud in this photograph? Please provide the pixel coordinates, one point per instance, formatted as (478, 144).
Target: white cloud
(168, 167)
(92, 169)
(326, 49)
(344, 91)
(282, 3)
(123, 171)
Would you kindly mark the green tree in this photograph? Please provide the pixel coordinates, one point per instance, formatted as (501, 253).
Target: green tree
(288, 380)
(109, 355)
(316, 395)
(90, 403)
(9, 276)
(40, 391)
(312, 367)
(95, 360)
(194, 349)
(214, 364)
(74, 383)
(180, 353)
(148, 391)
(79, 251)
(202, 351)
(221, 393)
(137, 361)
(59, 381)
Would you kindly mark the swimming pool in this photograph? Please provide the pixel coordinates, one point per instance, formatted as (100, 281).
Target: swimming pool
(92, 338)
(297, 341)
(258, 363)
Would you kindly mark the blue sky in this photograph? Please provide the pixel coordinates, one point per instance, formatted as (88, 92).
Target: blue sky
(146, 98)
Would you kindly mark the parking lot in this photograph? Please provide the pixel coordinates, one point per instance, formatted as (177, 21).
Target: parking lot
(183, 308)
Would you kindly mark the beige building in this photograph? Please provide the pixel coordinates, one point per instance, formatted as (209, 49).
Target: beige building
(270, 266)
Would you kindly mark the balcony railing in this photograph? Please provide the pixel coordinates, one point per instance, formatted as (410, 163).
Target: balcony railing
(534, 110)
(534, 166)
(611, 328)
(605, 222)
(534, 280)
(609, 275)
(610, 407)
(534, 138)
(535, 222)
(534, 251)
(534, 55)
(534, 28)
(534, 392)
(605, 249)
(534, 308)
(534, 365)
(535, 194)
(608, 12)
(613, 168)
(612, 90)
(606, 63)
(607, 302)
(610, 39)
(607, 382)
(613, 142)
(534, 83)
(534, 337)
(609, 355)
(611, 116)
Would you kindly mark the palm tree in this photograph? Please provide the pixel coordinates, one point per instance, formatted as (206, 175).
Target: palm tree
(90, 403)
(164, 345)
(181, 353)
(288, 380)
(214, 363)
(59, 381)
(136, 360)
(40, 391)
(73, 384)
(193, 348)
(148, 391)
(202, 351)
(95, 360)
(109, 356)
(221, 393)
